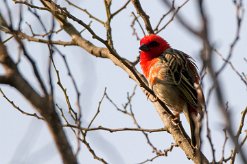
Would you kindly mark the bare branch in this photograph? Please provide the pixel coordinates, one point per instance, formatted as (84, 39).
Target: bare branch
(232, 66)
(108, 23)
(163, 16)
(144, 16)
(244, 140)
(4, 79)
(9, 14)
(182, 20)
(30, 5)
(176, 130)
(241, 125)
(18, 108)
(207, 59)
(133, 24)
(92, 151)
(98, 111)
(113, 130)
(47, 33)
(164, 153)
(64, 90)
(224, 146)
(239, 18)
(237, 148)
(42, 104)
(173, 16)
(86, 12)
(22, 35)
(120, 9)
(209, 136)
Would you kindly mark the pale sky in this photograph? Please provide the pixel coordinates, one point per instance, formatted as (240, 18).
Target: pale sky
(25, 139)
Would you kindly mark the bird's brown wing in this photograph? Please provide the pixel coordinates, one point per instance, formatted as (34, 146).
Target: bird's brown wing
(183, 73)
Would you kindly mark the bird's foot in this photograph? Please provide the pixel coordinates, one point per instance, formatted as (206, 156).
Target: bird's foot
(150, 97)
(176, 119)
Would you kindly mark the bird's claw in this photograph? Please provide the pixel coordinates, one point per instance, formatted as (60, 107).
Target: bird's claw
(153, 99)
(176, 119)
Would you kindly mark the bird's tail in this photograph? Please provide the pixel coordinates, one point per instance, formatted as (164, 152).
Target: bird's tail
(195, 127)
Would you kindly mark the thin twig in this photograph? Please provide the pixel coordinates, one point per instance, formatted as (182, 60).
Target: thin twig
(98, 110)
(113, 130)
(64, 90)
(173, 16)
(133, 26)
(239, 17)
(144, 16)
(182, 20)
(223, 147)
(227, 61)
(164, 153)
(30, 5)
(237, 148)
(86, 12)
(120, 9)
(22, 35)
(163, 16)
(18, 108)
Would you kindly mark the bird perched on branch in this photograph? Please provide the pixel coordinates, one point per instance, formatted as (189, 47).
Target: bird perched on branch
(173, 77)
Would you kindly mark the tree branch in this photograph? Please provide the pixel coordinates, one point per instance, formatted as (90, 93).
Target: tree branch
(43, 105)
(18, 108)
(183, 21)
(166, 116)
(144, 16)
(112, 130)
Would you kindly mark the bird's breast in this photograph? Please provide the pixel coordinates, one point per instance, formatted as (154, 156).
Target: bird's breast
(161, 82)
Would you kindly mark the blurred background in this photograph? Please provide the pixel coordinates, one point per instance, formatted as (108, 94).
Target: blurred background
(27, 140)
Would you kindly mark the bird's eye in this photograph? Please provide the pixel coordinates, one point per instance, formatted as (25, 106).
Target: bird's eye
(153, 44)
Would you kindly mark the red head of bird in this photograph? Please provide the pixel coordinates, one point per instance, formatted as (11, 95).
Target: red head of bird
(152, 46)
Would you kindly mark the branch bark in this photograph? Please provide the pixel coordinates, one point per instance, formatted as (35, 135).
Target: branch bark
(144, 16)
(44, 105)
(166, 116)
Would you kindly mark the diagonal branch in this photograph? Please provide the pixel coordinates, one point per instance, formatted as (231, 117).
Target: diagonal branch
(144, 16)
(120, 9)
(175, 129)
(18, 108)
(42, 104)
(173, 16)
(182, 20)
(112, 130)
(86, 12)
(4, 79)
(39, 40)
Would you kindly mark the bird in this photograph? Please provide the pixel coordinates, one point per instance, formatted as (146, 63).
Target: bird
(173, 77)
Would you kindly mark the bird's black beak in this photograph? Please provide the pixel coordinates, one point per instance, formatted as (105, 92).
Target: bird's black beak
(144, 47)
